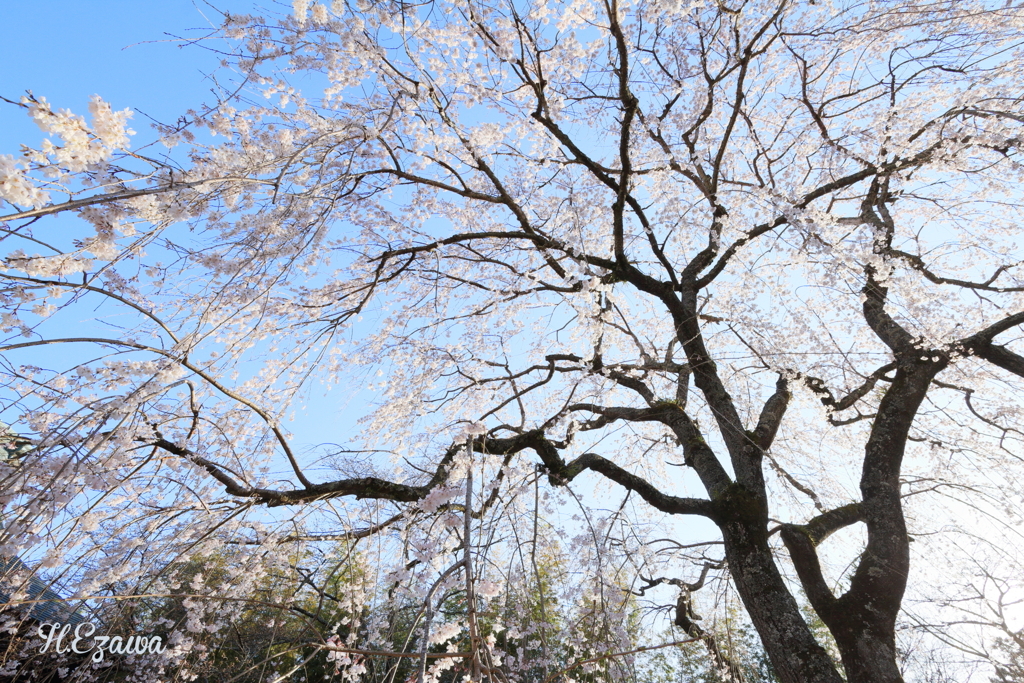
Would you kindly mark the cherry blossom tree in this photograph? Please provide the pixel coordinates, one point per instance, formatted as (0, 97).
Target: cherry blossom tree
(750, 271)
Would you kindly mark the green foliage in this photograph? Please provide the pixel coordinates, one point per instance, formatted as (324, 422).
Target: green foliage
(276, 629)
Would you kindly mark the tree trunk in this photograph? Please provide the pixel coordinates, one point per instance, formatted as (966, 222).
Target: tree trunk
(869, 653)
(794, 653)
(863, 620)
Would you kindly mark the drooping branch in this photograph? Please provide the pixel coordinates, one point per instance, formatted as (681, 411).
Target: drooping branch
(99, 290)
(560, 473)
(99, 199)
(918, 264)
(802, 488)
(353, 535)
(359, 487)
(200, 372)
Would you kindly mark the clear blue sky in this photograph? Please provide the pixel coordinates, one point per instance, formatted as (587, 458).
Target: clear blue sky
(127, 51)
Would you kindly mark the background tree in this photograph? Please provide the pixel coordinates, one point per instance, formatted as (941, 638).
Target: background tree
(753, 265)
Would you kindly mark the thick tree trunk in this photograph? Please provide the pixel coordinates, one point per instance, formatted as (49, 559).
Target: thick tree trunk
(869, 653)
(863, 620)
(794, 653)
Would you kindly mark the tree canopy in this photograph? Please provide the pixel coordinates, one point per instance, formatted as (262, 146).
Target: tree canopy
(658, 294)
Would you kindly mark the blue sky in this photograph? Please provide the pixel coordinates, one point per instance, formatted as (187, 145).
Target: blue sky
(127, 51)
(134, 54)
(130, 52)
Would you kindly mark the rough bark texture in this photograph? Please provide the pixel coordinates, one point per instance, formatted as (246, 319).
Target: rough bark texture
(863, 619)
(794, 653)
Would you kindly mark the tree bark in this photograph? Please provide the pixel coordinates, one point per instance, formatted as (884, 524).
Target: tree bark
(863, 620)
(794, 653)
